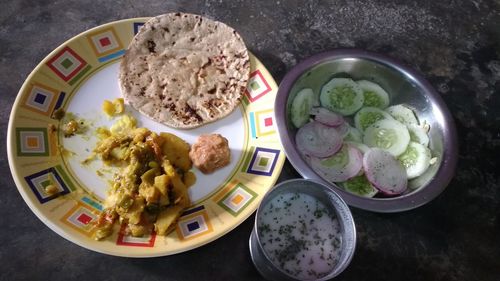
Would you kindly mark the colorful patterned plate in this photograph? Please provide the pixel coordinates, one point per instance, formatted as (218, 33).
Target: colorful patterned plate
(78, 76)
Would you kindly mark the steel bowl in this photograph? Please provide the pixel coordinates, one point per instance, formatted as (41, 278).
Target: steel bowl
(332, 201)
(404, 85)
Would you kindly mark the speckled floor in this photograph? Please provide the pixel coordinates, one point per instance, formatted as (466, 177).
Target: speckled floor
(455, 44)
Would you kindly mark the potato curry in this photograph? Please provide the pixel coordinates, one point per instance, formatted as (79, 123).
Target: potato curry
(150, 190)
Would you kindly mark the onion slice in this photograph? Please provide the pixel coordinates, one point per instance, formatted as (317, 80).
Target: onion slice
(385, 172)
(327, 117)
(343, 165)
(344, 129)
(316, 139)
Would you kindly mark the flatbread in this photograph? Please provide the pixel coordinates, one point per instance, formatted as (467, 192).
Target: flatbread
(184, 70)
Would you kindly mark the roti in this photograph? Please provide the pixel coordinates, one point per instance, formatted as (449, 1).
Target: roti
(184, 70)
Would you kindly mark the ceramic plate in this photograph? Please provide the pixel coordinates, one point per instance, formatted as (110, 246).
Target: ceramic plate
(78, 76)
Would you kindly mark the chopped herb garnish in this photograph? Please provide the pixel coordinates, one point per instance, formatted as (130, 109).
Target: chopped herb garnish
(300, 231)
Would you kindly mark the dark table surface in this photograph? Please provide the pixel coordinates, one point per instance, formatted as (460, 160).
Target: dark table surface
(453, 43)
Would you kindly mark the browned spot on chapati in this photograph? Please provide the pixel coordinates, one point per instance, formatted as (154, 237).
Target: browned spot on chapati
(151, 46)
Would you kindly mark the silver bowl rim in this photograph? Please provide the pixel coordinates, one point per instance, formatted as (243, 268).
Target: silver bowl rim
(405, 202)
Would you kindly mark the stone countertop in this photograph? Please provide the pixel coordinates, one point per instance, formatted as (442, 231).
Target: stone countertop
(455, 44)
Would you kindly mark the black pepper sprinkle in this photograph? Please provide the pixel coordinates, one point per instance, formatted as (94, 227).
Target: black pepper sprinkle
(294, 235)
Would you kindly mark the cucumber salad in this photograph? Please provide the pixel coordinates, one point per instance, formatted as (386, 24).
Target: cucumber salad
(358, 141)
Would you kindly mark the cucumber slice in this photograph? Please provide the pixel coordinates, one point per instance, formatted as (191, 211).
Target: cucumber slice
(373, 94)
(389, 135)
(360, 146)
(418, 134)
(366, 116)
(360, 186)
(353, 134)
(301, 106)
(403, 114)
(341, 95)
(415, 159)
(417, 182)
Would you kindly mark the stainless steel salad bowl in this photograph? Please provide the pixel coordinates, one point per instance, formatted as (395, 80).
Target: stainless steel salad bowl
(405, 86)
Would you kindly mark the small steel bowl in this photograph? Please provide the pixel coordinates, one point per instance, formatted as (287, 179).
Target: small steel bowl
(331, 200)
(404, 85)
